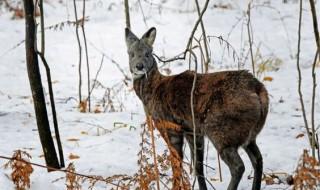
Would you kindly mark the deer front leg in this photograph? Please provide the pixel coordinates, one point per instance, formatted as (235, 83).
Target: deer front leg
(199, 158)
(175, 144)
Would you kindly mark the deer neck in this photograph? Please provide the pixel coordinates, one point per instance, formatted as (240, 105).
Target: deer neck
(145, 85)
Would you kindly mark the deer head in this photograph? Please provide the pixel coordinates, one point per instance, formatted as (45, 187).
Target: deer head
(141, 60)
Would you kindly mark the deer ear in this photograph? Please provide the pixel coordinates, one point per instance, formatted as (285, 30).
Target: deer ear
(130, 37)
(150, 36)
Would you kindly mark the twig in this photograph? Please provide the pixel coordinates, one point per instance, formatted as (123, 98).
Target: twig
(300, 77)
(315, 24)
(228, 36)
(95, 78)
(205, 41)
(235, 55)
(201, 53)
(250, 37)
(154, 153)
(196, 26)
(142, 12)
(86, 50)
(65, 171)
(219, 166)
(112, 61)
(42, 28)
(318, 145)
(182, 56)
(192, 113)
(314, 86)
(317, 37)
(80, 52)
(12, 48)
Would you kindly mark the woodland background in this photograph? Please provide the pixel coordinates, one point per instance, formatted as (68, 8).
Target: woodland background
(110, 143)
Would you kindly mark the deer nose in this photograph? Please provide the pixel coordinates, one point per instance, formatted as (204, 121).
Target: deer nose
(139, 67)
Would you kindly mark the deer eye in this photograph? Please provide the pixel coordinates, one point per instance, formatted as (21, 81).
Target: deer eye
(147, 55)
(132, 55)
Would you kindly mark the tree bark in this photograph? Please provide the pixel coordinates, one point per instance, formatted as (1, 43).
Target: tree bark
(36, 88)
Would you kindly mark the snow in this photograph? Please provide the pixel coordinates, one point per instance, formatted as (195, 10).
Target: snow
(106, 148)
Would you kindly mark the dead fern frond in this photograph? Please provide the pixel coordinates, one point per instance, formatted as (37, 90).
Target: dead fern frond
(146, 174)
(180, 178)
(307, 175)
(21, 169)
(72, 180)
(83, 106)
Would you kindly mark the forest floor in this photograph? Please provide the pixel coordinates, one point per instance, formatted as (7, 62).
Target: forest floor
(107, 143)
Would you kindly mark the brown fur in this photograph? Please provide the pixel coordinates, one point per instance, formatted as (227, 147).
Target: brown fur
(230, 105)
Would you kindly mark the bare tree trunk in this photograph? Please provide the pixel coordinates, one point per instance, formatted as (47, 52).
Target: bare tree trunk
(36, 88)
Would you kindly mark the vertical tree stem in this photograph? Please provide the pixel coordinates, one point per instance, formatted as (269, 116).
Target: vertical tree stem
(52, 102)
(205, 41)
(42, 28)
(53, 108)
(250, 38)
(151, 128)
(317, 37)
(36, 87)
(127, 13)
(80, 51)
(300, 77)
(87, 56)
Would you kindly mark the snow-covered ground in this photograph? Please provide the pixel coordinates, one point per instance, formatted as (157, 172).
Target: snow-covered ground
(108, 143)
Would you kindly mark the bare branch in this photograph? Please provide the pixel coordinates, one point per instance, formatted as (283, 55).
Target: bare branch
(97, 178)
(80, 52)
(205, 41)
(87, 56)
(250, 37)
(317, 37)
(300, 77)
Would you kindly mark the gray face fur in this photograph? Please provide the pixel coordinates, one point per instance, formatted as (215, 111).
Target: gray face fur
(140, 52)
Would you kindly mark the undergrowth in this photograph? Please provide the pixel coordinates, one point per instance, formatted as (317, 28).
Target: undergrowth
(157, 169)
(21, 169)
(307, 175)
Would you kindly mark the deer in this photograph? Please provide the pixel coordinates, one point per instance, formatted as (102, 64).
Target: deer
(230, 109)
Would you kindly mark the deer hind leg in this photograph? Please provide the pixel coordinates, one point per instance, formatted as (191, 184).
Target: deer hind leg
(233, 160)
(175, 144)
(199, 158)
(256, 159)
